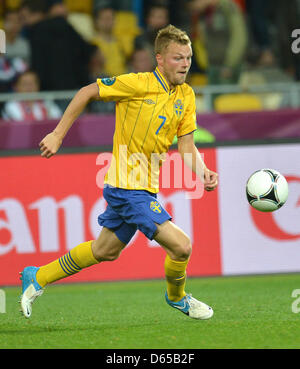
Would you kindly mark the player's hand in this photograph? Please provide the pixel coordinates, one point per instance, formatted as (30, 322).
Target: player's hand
(50, 145)
(210, 180)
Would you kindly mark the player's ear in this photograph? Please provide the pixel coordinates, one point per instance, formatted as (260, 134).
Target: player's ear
(159, 58)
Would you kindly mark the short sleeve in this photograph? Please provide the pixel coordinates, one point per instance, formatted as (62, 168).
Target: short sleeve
(188, 123)
(123, 87)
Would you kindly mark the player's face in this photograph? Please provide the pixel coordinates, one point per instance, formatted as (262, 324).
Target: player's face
(174, 63)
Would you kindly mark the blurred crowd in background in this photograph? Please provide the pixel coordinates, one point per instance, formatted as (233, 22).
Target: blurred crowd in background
(55, 45)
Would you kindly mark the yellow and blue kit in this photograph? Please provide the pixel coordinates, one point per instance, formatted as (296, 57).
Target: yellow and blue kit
(148, 117)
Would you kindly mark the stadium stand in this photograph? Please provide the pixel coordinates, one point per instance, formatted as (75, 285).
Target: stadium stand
(237, 64)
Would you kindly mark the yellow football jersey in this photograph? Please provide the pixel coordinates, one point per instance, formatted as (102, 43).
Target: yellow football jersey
(148, 116)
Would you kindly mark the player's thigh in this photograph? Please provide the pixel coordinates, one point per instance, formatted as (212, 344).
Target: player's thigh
(107, 246)
(174, 240)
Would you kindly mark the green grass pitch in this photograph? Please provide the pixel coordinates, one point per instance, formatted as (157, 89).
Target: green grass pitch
(250, 312)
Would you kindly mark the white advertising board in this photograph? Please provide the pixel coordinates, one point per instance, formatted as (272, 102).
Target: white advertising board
(251, 241)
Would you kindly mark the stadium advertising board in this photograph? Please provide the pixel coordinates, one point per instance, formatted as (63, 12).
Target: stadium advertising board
(252, 241)
(49, 206)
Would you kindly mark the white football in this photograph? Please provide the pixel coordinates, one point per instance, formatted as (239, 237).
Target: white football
(267, 190)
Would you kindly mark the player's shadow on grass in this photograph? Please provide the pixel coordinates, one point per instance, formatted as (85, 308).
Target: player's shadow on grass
(30, 329)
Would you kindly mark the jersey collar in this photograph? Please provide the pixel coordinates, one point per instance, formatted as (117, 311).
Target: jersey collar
(162, 81)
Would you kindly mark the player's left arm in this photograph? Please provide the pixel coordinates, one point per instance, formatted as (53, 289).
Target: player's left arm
(194, 161)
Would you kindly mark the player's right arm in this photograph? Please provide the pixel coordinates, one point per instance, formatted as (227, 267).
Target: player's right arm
(52, 142)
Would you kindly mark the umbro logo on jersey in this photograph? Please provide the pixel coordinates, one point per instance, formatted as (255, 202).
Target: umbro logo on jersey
(150, 102)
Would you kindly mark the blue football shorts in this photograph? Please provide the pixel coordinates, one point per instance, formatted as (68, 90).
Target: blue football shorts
(131, 210)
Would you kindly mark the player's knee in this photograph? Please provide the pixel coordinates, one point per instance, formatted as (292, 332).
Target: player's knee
(107, 256)
(104, 253)
(111, 256)
(184, 251)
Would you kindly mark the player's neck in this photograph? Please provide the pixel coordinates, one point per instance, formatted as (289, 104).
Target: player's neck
(170, 85)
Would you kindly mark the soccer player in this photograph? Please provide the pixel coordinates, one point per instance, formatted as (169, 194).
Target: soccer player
(151, 108)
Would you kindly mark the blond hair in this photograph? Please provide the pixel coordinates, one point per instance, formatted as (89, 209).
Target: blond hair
(168, 34)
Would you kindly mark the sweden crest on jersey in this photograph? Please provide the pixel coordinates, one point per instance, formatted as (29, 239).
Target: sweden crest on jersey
(178, 107)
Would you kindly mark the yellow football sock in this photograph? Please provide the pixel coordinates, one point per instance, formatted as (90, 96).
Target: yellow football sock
(176, 277)
(79, 257)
